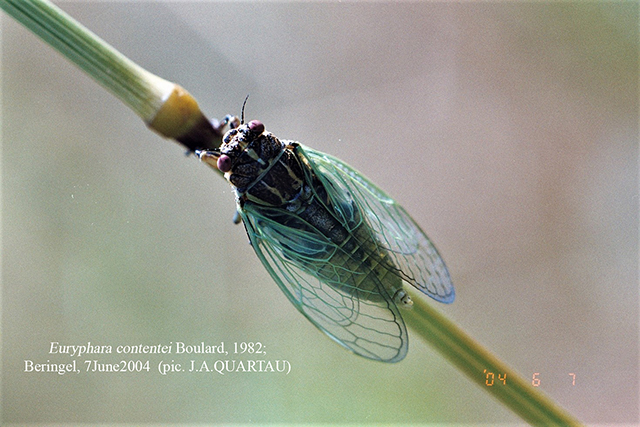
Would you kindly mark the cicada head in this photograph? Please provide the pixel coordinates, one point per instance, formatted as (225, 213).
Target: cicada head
(247, 151)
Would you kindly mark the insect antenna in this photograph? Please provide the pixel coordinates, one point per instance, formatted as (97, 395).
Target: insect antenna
(242, 114)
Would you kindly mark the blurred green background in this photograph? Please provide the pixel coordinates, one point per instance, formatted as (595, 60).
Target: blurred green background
(509, 131)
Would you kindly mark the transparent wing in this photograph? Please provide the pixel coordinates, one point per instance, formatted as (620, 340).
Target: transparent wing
(299, 260)
(416, 258)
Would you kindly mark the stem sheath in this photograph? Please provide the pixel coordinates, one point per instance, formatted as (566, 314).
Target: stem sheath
(164, 106)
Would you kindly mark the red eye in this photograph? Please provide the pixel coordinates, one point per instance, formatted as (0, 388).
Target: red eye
(256, 126)
(224, 163)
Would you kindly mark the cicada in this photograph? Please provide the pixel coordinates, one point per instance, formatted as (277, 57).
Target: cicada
(339, 247)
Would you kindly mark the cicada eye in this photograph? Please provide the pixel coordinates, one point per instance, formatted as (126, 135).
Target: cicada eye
(224, 163)
(256, 126)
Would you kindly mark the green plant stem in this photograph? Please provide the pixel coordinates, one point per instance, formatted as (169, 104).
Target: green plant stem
(139, 89)
(476, 362)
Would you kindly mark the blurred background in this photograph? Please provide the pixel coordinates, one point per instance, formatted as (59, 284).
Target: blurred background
(509, 131)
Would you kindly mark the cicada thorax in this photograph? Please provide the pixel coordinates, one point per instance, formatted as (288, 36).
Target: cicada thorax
(278, 181)
(261, 169)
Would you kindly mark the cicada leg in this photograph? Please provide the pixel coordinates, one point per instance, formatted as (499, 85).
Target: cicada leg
(232, 121)
(236, 217)
(209, 157)
(402, 299)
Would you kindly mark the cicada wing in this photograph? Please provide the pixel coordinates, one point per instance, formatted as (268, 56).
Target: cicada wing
(295, 258)
(416, 258)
